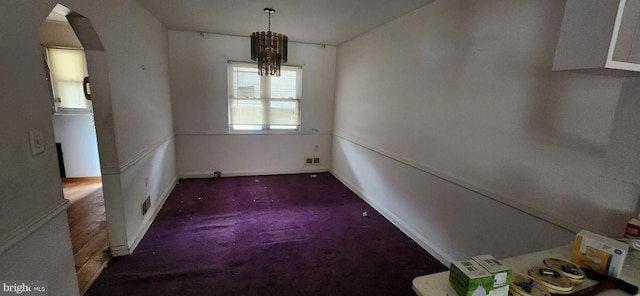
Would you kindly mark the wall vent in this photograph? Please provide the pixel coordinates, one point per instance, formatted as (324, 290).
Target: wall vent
(146, 205)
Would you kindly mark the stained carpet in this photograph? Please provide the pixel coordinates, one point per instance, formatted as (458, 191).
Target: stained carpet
(268, 235)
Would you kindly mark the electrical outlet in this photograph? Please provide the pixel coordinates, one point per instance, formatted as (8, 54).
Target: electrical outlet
(312, 161)
(37, 141)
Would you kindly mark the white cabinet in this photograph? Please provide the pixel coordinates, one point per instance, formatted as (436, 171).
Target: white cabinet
(600, 37)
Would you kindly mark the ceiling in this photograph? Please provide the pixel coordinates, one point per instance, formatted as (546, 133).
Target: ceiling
(329, 22)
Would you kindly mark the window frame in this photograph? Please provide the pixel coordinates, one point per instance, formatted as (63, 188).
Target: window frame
(265, 99)
(55, 107)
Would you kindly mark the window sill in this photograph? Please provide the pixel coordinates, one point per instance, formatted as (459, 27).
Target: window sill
(234, 133)
(264, 132)
(72, 111)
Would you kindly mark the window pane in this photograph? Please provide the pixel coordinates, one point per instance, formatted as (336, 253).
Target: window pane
(285, 86)
(247, 112)
(283, 127)
(246, 127)
(246, 82)
(257, 103)
(68, 69)
(284, 112)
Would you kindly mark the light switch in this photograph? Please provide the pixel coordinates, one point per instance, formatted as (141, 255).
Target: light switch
(37, 141)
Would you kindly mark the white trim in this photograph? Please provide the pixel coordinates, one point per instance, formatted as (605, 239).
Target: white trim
(471, 186)
(110, 170)
(142, 154)
(119, 250)
(265, 99)
(115, 170)
(227, 133)
(622, 66)
(151, 216)
(610, 62)
(427, 245)
(616, 31)
(29, 227)
(196, 175)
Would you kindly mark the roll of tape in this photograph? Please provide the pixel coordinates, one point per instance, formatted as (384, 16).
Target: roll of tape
(570, 270)
(556, 282)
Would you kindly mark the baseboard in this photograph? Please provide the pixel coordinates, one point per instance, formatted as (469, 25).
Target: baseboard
(310, 170)
(119, 250)
(151, 215)
(427, 245)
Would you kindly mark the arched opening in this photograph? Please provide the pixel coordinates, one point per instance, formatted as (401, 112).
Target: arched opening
(83, 126)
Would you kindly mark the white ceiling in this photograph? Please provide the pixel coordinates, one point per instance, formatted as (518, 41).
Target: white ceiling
(329, 22)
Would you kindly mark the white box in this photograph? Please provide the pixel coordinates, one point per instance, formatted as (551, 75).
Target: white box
(599, 253)
(469, 278)
(501, 273)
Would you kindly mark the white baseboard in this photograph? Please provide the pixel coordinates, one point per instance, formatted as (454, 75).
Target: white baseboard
(427, 245)
(119, 250)
(311, 169)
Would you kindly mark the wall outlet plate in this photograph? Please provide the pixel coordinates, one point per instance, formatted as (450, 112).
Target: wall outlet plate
(312, 161)
(37, 141)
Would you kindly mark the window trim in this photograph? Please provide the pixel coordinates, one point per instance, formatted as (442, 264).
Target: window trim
(265, 93)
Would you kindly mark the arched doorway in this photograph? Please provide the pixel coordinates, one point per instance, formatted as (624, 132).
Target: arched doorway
(100, 114)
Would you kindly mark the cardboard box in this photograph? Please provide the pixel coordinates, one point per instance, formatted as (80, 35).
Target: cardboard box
(599, 253)
(501, 273)
(633, 229)
(469, 278)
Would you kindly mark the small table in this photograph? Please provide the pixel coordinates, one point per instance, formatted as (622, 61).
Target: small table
(437, 284)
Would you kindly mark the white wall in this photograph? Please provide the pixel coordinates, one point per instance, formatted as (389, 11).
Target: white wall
(622, 157)
(138, 64)
(34, 237)
(456, 108)
(43, 255)
(77, 136)
(200, 100)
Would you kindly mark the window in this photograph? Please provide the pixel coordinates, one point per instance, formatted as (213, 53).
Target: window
(67, 70)
(258, 103)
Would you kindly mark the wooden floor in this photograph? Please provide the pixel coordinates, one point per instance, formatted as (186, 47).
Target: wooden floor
(88, 227)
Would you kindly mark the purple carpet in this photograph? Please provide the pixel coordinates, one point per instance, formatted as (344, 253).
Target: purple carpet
(268, 235)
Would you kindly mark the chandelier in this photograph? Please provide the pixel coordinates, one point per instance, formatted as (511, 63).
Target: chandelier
(269, 49)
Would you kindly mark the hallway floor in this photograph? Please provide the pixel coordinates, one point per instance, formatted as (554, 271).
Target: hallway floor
(88, 228)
